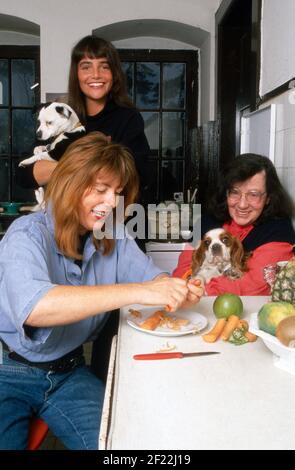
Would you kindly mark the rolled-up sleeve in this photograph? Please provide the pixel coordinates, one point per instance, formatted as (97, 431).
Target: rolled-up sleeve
(24, 280)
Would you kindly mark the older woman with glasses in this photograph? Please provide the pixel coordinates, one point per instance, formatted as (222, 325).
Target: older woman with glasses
(252, 205)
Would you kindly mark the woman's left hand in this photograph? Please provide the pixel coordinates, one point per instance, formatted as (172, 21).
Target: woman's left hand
(195, 292)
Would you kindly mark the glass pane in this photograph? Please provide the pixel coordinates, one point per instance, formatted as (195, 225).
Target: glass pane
(173, 135)
(23, 132)
(153, 190)
(151, 128)
(148, 85)
(23, 77)
(20, 194)
(4, 94)
(4, 131)
(4, 180)
(171, 179)
(173, 85)
(128, 69)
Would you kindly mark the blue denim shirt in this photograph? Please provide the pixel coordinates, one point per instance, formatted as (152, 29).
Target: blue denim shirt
(31, 264)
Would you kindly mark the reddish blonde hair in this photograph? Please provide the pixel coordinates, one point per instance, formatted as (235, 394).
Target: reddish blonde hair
(75, 174)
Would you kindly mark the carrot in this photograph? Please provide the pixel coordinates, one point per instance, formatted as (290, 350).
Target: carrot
(231, 325)
(153, 321)
(187, 274)
(250, 336)
(243, 324)
(216, 331)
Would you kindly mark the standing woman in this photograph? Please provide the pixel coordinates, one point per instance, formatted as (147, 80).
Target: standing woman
(97, 92)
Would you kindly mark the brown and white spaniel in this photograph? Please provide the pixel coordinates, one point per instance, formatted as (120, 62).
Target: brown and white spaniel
(219, 253)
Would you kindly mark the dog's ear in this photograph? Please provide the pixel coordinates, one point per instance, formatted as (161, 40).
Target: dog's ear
(63, 111)
(198, 257)
(238, 255)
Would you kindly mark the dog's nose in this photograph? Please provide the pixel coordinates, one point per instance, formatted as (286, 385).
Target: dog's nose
(216, 249)
(39, 134)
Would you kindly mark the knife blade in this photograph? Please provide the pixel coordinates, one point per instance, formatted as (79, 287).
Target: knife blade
(171, 355)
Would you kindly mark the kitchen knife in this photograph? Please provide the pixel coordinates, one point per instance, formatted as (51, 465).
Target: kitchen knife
(171, 355)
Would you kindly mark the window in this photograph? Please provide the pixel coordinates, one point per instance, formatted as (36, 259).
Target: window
(163, 86)
(19, 71)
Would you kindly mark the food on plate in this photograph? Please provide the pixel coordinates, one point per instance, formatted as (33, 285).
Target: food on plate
(153, 320)
(284, 285)
(230, 326)
(216, 331)
(135, 313)
(285, 331)
(161, 319)
(226, 305)
(270, 315)
(174, 323)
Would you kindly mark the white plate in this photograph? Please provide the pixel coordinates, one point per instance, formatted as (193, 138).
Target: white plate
(197, 322)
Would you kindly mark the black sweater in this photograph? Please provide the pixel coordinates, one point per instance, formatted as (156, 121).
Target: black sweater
(125, 126)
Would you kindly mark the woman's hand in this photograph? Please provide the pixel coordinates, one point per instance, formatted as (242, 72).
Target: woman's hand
(164, 290)
(195, 291)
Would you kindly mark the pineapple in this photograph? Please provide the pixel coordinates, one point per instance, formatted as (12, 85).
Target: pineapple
(284, 285)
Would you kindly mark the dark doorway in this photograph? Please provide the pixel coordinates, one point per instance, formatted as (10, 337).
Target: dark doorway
(238, 63)
(163, 85)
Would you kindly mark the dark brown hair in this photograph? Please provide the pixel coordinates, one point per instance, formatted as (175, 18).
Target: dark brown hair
(240, 169)
(75, 174)
(95, 48)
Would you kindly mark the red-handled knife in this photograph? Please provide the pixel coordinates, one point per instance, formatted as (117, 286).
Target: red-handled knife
(171, 355)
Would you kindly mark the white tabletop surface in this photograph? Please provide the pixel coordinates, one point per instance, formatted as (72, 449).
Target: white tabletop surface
(233, 400)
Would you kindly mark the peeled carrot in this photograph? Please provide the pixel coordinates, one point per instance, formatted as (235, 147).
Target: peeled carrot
(231, 325)
(250, 336)
(153, 321)
(243, 324)
(216, 331)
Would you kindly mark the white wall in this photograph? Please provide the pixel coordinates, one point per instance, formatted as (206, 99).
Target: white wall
(63, 22)
(277, 67)
(277, 45)
(284, 159)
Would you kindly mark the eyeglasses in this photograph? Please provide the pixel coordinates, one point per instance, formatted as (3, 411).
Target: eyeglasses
(253, 197)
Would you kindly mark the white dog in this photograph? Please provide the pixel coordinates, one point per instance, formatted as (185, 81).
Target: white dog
(59, 124)
(219, 253)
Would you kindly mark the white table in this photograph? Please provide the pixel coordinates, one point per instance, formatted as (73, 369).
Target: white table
(233, 400)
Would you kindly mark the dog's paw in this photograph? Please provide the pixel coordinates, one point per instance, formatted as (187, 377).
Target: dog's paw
(39, 195)
(233, 273)
(39, 149)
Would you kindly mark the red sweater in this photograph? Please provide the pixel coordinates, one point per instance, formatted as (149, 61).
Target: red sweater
(252, 282)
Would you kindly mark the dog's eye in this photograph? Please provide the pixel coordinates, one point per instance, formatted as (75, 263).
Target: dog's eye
(207, 242)
(225, 241)
(48, 123)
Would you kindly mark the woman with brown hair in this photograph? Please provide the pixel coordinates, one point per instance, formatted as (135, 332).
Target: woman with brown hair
(97, 92)
(57, 282)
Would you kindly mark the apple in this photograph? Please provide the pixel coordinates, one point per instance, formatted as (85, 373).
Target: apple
(226, 305)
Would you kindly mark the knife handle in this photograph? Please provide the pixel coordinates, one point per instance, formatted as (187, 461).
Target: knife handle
(152, 356)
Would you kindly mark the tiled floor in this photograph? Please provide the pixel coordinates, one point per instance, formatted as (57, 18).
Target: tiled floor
(51, 442)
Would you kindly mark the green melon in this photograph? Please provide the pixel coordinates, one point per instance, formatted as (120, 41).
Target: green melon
(270, 315)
